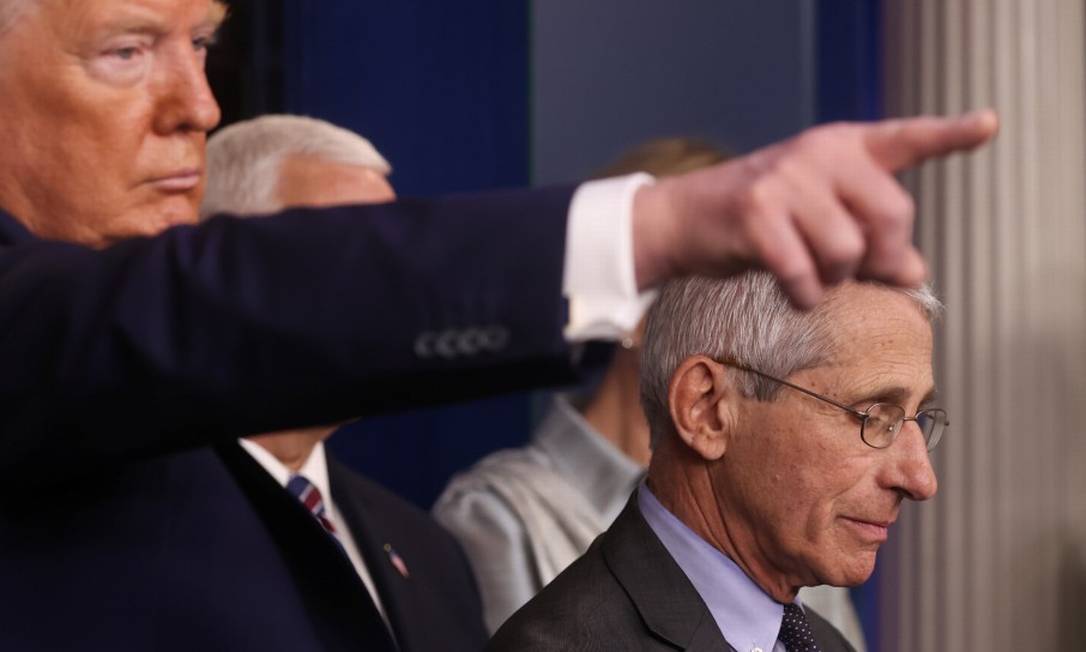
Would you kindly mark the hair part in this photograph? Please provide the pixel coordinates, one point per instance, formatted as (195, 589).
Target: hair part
(744, 318)
(244, 159)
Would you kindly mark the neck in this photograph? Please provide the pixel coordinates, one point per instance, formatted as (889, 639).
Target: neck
(292, 448)
(614, 409)
(683, 484)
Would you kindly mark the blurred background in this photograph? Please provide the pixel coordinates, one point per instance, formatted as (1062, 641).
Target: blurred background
(496, 93)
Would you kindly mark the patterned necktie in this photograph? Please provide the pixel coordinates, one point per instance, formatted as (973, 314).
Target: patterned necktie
(796, 631)
(305, 491)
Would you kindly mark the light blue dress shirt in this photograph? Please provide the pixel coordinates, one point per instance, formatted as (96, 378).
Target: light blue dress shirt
(747, 617)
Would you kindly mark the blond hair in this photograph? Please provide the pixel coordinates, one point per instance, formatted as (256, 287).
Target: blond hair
(664, 157)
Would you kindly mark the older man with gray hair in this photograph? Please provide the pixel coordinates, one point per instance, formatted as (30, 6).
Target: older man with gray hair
(784, 444)
(415, 572)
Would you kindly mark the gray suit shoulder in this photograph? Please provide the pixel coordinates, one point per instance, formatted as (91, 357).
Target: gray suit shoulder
(584, 608)
(829, 637)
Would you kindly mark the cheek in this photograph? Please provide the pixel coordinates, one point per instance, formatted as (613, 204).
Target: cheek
(102, 133)
(809, 479)
(774, 474)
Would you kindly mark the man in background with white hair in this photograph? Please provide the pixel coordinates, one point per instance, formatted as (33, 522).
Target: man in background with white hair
(273, 162)
(783, 446)
(415, 572)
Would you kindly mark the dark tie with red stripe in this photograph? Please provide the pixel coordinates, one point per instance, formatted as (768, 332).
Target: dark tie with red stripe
(796, 631)
(308, 494)
(305, 491)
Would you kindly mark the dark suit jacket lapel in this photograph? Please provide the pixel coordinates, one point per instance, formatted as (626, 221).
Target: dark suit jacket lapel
(338, 603)
(396, 591)
(668, 603)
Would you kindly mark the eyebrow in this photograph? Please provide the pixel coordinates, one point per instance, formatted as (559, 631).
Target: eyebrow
(897, 396)
(217, 14)
(138, 23)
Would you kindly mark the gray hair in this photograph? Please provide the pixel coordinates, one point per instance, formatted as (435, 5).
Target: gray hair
(746, 319)
(10, 11)
(244, 159)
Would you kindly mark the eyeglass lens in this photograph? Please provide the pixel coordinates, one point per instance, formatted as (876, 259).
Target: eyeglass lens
(884, 421)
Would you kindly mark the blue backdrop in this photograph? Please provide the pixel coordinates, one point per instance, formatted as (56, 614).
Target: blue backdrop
(849, 87)
(441, 88)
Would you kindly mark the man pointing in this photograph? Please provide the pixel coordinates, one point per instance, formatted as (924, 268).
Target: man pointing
(137, 346)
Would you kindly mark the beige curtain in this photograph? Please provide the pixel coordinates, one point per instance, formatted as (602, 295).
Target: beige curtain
(997, 561)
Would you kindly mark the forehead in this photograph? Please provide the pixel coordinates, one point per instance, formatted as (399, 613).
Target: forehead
(309, 180)
(93, 17)
(880, 329)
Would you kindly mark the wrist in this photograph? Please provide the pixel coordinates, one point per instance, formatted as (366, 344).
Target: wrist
(655, 232)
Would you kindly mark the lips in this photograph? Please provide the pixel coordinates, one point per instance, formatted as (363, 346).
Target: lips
(178, 181)
(872, 531)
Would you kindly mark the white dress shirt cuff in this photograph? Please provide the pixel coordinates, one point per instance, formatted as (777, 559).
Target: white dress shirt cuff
(599, 279)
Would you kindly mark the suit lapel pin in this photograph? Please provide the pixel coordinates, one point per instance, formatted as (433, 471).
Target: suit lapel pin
(397, 561)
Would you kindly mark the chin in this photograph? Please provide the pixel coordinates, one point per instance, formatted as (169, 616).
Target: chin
(851, 570)
(148, 222)
(163, 215)
(181, 209)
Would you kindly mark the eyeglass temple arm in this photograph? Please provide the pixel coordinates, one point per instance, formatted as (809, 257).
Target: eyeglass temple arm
(853, 411)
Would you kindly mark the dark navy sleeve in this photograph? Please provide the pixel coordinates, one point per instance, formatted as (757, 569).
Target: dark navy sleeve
(239, 326)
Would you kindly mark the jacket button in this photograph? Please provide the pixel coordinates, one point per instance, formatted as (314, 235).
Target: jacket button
(495, 338)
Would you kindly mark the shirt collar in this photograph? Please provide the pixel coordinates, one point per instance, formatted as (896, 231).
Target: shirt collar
(591, 464)
(315, 468)
(746, 616)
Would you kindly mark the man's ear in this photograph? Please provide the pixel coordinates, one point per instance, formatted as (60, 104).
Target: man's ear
(701, 401)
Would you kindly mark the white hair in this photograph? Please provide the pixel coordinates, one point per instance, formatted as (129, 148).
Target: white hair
(244, 159)
(10, 11)
(746, 319)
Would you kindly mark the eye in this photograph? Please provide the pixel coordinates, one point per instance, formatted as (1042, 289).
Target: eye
(203, 43)
(125, 54)
(122, 61)
(126, 51)
(864, 404)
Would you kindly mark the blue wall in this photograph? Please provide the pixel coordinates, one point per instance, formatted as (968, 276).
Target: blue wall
(611, 73)
(441, 88)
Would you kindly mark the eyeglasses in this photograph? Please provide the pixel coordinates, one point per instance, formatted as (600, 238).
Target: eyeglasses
(880, 423)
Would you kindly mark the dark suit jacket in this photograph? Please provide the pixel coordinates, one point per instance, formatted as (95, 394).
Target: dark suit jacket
(122, 526)
(626, 593)
(437, 605)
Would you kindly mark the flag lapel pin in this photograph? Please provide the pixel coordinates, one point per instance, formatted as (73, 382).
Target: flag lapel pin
(397, 561)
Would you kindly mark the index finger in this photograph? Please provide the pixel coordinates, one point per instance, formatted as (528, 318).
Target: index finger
(905, 142)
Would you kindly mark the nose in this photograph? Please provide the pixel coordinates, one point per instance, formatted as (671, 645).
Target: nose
(909, 469)
(184, 99)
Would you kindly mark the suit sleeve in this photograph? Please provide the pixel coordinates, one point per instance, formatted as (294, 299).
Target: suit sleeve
(237, 326)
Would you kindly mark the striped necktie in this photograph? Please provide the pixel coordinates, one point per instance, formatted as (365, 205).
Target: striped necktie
(306, 492)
